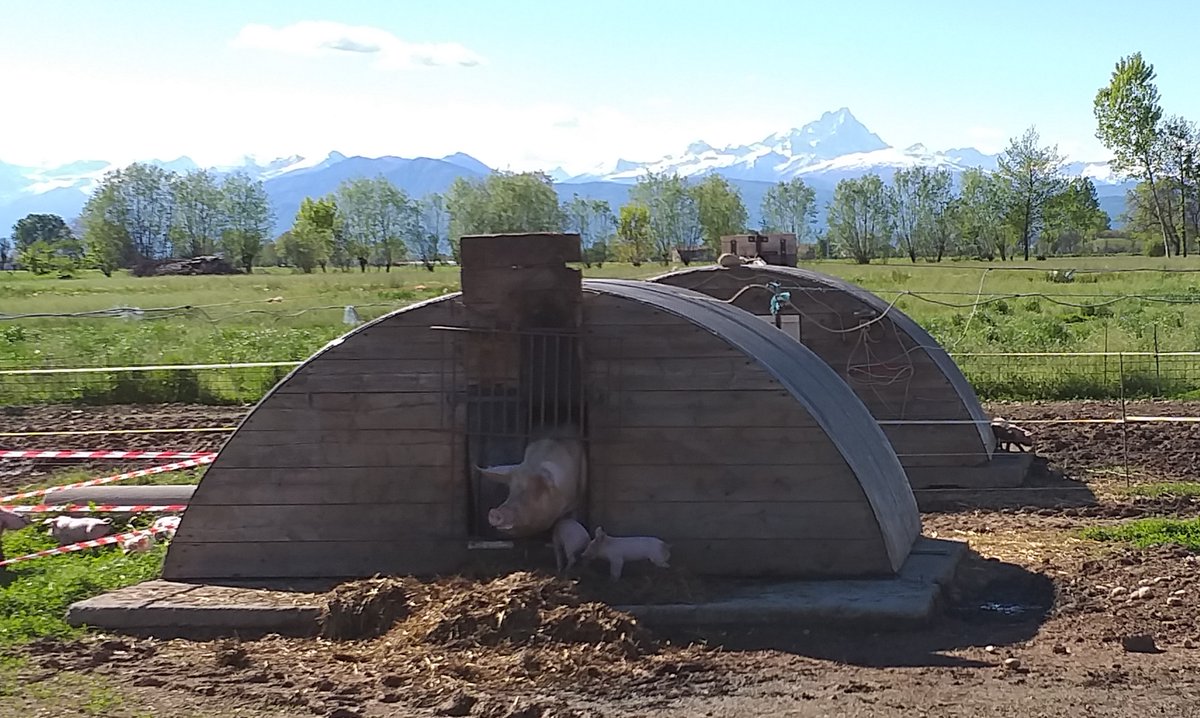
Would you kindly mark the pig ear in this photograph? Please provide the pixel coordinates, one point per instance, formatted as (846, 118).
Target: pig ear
(500, 472)
(599, 532)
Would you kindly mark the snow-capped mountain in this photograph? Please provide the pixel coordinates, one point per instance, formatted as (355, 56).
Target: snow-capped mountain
(833, 147)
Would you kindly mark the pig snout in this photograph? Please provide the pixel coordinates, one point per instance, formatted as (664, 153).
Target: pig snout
(501, 518)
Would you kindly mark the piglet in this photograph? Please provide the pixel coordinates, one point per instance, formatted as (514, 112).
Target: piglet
(10, 521)
(1008, 434)
(619, 549)
(137, 544)
(570, 540)
(68, 530)
(166, 526)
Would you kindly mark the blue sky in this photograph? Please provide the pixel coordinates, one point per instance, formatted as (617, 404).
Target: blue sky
(525, 84)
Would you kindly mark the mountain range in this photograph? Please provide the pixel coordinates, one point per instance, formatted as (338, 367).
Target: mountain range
(822, 152)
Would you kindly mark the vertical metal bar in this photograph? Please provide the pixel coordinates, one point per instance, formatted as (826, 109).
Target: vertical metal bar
(527, 358)
(556, 339)
(541, 380)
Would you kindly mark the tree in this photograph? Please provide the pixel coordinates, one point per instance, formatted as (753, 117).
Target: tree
(149, 206)
(790, 207)
(47, 228)
(1181, 158)
(379, 220)
(105, 228)
(1128, 115)
(906, 207)
(1141, 215)
(198, 220)
(720, 209)
(1073, 217)
(248, 218)
(593, 221)
(435, 230)
(674, 213)
(859, 218)
(937, 216)
(603, 230)
(980, 214)
(503, 202)
(633, 233)
(309, 243)
(6, 251)
(1032, 175)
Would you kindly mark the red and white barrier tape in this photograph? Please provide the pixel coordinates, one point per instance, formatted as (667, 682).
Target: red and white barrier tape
(99, 508)
(94, 543)
(42, 454)
(176, 466)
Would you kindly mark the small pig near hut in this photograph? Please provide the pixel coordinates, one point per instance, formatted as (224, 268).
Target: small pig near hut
(619, 549)
(570, 540)
(68, 530)
(137, 544)
(543, 488)
(1009, 434)
(165, 525)
(10, 521)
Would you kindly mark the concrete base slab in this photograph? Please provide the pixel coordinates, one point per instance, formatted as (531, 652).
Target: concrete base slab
(910, 598)
(169, 609)
(1007, 469)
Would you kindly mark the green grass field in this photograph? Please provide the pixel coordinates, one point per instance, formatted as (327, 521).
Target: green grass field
(35, 595)
(1144, 533)
(970, 307)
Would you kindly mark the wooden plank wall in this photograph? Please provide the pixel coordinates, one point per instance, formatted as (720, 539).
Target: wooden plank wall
(692, 441)
(867, 360)
(348, 468)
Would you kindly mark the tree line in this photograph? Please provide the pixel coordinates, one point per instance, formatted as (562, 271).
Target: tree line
(1026, 206)
(144, 213)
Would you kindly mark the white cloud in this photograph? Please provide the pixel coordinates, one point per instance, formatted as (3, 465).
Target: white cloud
(313, 38)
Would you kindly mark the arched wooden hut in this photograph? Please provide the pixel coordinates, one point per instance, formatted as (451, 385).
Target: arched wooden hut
(909, 383)
(703, 426)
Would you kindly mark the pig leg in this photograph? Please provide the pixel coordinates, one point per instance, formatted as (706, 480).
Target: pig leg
(615, 563)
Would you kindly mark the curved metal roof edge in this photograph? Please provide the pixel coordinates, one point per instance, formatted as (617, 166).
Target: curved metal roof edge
(907, 324)
(835, 407)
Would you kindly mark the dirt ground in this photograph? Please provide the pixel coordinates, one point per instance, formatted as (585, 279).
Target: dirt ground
(1041, 623)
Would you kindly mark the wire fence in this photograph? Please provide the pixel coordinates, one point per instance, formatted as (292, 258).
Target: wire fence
(995, 376)
(1082, 375)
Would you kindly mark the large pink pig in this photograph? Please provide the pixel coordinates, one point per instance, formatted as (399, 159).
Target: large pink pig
(547, 485)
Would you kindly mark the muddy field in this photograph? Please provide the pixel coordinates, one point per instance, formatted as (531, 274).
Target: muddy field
(1042, 623)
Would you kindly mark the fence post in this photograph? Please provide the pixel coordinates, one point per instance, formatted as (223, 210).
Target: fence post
(1124, 419)
(1157, 370)
(1105, 359)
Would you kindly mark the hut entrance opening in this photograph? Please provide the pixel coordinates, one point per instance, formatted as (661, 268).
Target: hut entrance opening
(520, 385)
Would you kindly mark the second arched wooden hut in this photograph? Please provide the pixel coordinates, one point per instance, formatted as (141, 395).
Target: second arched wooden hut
(909, 383)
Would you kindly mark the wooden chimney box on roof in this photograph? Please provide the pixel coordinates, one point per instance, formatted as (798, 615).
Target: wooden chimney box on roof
(521, 281)
(540, 249)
